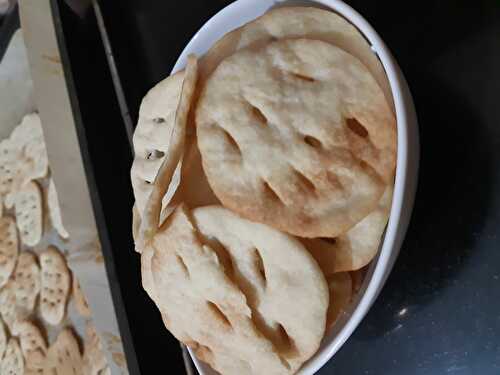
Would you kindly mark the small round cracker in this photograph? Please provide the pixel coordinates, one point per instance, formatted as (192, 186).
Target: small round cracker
(11, 174)
(9, 310)
(9, 248)
(55, 210)
(63, 356)
(340, 286)
(27, 280)
(28, 207)
(81, 304)
(28, 136)
(31, 339)
(296, 135)
(355, 248)
(55, 285)
(12, 362)
(201, 305)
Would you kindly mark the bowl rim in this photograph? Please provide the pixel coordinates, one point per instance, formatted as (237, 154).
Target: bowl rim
(243, 11)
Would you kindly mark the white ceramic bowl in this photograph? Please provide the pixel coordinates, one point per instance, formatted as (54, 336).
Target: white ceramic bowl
(243, 11)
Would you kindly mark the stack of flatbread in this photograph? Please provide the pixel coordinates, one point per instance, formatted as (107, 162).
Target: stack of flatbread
(263, 179)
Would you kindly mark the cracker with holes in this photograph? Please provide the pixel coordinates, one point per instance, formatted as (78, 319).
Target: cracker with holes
(164, 178)
(94, 361)
(224, 270)
(11, 173)
(12, 362)
(9, 248)
(357, 247)
(81, 304)
(27, 280)
(202, 307)
(28, 137)
(340, 286)
(180, 152)
(55, 210)
(9, 311)
(298, 22)
(64, 357)
(296, 135)
(33, 344)
(55, 285)
(152, 134)
(28, 207)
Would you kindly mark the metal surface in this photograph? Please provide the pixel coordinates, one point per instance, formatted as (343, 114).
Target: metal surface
(439, 312)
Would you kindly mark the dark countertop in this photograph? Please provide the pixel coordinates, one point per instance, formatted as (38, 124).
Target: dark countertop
(439, 312)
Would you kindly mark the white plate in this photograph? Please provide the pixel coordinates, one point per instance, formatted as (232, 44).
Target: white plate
(243, 11)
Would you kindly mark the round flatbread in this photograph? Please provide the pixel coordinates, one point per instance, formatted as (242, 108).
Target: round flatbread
(254, 255)
(293, 23)
(357, 247)
(223, 289)
(296, 135)
(163, 181)
(152, 135)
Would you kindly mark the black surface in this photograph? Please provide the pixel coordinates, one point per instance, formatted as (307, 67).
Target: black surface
(107, 157)
(439, 312)
(9, 23)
